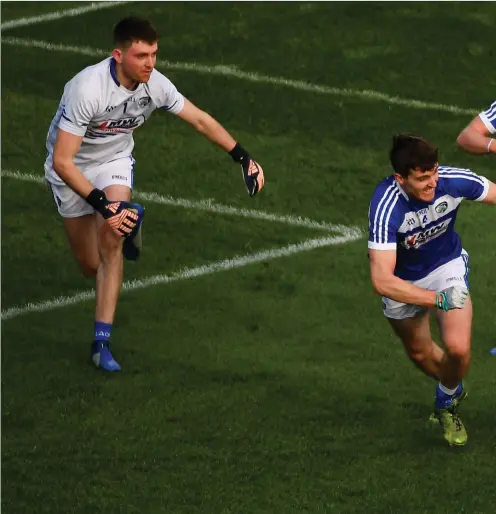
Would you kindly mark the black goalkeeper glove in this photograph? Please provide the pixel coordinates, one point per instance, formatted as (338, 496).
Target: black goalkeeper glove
(122, 217)
(253, 174)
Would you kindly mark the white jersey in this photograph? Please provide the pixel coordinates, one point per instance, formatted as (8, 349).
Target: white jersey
(94, 105)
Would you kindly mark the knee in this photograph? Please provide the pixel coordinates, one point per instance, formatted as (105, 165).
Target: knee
(89, 271)
(417, 356)
(111, 255)
(89, 268)
(110, 248)
(459, 352)
(88, 264)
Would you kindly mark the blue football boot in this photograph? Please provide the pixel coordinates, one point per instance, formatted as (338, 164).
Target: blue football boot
(102, 357)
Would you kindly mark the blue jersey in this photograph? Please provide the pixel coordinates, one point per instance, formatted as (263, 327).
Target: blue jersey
(488, 117)
(422, 233)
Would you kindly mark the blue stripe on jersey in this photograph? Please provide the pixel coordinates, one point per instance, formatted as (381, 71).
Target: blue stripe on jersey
(169, 107)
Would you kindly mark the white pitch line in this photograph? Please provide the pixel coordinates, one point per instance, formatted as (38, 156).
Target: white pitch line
(57, 15)
(208, 269)
(233, 71)
(211, 206)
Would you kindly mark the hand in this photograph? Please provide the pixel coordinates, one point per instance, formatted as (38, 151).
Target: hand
(123, 217)
(253, 176)
(452, 298)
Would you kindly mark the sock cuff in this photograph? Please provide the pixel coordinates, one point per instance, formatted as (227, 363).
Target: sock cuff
(447, 391)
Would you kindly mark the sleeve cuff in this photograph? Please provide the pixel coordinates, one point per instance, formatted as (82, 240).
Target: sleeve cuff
(381, 246)
(176, 107)
(485, 191)
(487, 123)
(71, 128)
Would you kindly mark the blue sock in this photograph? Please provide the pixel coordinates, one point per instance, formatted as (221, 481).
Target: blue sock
(102, 331)
(444, 400)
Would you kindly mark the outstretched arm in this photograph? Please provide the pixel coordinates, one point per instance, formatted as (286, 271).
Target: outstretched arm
(476, 138)
(204, 123)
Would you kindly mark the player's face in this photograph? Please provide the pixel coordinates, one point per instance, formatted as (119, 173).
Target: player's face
(137, 61)
(420, 184)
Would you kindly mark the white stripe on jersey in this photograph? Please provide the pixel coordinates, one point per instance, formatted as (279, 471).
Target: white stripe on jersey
(391, 209)
(488, 117)
(491, 112)
(390, 198)
(384, 197)
(448, 172)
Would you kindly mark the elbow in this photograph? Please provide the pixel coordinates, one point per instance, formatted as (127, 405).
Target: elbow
(204, 123)
(59, 163)
(460, 140)
(378, 288)
(379, 285)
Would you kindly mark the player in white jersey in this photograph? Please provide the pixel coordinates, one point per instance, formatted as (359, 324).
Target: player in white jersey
(418, 264)
(89, 166)
(478, 138)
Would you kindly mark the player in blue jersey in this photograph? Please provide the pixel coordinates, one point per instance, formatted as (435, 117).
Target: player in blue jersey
(418, 265)
(89, 164)
(478, 138)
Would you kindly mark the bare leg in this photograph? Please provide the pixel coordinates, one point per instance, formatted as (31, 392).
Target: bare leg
(415, 334)
(109, 277)
(82, 235)
(456, 328)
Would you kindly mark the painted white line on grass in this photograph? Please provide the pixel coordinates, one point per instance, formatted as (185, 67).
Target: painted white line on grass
(233, 71)
(208, 269)
(57, 15)
(210, 206)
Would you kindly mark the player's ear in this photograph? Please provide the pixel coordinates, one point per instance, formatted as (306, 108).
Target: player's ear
(117, 55)
(399, 178)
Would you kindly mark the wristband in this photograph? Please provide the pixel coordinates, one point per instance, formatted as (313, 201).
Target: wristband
(238, 153)
(97, 200)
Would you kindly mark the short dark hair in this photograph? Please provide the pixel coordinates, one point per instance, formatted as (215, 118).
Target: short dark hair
(410, 152)
(132, 29)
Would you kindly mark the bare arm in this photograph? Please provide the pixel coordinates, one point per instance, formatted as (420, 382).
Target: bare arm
(206, 125)
(66, 148)
(382, 263)
(475, 138)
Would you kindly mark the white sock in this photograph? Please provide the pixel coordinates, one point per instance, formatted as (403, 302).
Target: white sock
(445, 390)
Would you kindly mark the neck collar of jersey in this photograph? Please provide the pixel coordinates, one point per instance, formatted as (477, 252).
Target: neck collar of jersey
(401, 190)
(112, 72)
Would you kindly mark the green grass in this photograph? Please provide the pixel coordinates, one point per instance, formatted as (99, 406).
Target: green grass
(277, 387)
